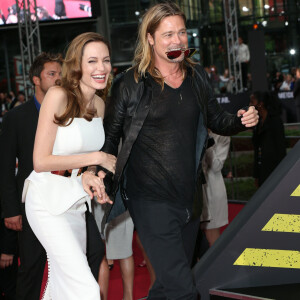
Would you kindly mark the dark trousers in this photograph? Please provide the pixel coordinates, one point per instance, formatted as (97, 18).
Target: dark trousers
(160, 227)
(244, 67)
(8, 281)
(33, 258)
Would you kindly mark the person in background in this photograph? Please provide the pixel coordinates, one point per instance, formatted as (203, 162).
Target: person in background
(277, 81)
(268, 136)
(225, 82)
(8, 262)
(297, 93)
(20, 99)
(288, 83)
(214, 190)
(118, 235)
(243, 56)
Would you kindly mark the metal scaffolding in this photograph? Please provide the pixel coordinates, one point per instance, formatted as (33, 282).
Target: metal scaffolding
(232, 36)
(29, 37)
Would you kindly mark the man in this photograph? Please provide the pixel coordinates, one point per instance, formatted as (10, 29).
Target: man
(297, 93)
(17, 140)
(243, 56)
(161, 109)
(8, 262)
(20, 99)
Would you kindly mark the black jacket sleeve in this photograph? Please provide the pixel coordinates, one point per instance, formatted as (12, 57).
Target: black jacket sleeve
(8, 153)
(218, 120)
(115, 115)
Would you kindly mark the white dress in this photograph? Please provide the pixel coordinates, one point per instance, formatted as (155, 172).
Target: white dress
(55, 208)
(215, 205)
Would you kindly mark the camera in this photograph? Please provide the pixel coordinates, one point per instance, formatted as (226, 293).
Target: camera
(85, 8)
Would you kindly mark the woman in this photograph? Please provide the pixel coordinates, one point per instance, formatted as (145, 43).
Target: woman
(268, 136)
(68, 137)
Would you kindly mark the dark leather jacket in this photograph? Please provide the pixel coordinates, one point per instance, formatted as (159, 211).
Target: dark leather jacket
(129, 106)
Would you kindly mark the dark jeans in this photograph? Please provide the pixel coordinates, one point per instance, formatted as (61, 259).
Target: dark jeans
(244, 67)
(160, 227)
(8, 281)
(33, 258)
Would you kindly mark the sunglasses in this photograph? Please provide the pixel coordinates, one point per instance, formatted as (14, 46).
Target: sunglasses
(176, 53)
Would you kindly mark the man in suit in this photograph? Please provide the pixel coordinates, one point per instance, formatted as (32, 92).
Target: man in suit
(17, 140)
(8, 262)
(297, 93)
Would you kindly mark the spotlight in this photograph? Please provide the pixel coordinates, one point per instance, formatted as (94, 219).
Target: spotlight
(292, 51)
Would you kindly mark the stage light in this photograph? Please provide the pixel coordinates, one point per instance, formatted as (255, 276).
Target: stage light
(267, 6)
(245, 9)
(255, 26)
(292, 51)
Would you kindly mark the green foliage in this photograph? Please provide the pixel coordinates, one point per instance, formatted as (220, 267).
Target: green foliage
(241, 163)
(240, 188)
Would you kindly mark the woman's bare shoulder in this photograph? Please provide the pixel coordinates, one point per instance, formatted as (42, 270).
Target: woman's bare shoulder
(56, 99)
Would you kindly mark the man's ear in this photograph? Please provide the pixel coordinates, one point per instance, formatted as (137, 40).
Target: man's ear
(150, 39)
(36, 80)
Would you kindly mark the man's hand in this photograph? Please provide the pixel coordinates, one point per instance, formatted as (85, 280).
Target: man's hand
(14, 223)
(249, 117)
(6, 260)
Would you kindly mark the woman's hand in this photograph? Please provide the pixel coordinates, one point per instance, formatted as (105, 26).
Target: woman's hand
(94, 186)
(108, 161)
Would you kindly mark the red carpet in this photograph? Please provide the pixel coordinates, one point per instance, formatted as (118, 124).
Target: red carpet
(141, 277)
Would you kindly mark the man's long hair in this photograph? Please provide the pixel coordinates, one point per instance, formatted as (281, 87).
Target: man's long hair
(71, 75)
(143, 57)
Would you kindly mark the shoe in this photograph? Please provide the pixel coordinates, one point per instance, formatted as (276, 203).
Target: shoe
(142, 264)
(110, 267)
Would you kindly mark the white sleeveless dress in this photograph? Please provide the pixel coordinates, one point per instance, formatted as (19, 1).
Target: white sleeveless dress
(55, 208)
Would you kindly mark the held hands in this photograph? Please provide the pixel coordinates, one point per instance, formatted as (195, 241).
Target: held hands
(249, 117)
(14, 223)
(94, 186)
(6, 260)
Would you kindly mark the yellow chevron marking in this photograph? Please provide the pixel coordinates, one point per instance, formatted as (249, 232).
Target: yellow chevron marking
(283, 223)
(269, 258)
(296, 192)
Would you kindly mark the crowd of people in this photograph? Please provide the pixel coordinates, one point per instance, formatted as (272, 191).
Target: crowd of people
(41, 13)
(98, 157)
(277, 81)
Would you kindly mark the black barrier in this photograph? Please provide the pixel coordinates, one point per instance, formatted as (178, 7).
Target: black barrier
(233, 102)
(261, 246)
